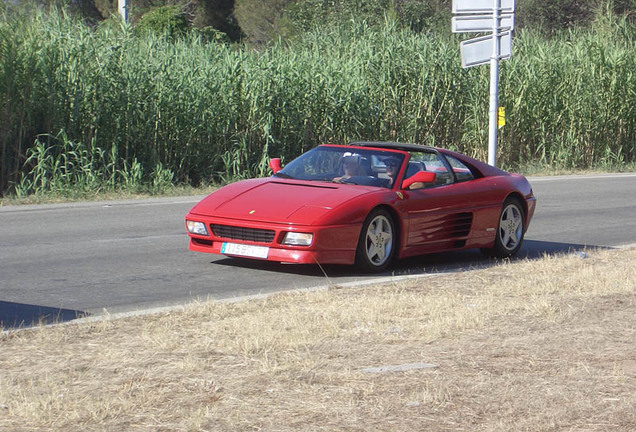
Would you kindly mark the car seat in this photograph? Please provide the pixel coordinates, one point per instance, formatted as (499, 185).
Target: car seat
(365, 166)
(412, 168)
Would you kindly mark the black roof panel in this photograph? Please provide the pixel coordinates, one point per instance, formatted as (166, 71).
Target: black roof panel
(393, 145)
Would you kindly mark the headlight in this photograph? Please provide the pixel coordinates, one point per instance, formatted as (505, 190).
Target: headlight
(196, 228)
(298, 239)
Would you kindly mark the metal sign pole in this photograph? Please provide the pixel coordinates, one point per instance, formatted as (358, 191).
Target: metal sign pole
(494, 85)
(123, 9)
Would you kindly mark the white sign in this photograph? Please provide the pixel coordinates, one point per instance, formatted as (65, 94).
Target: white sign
(481, 23)
(481, 6)
(479, 50)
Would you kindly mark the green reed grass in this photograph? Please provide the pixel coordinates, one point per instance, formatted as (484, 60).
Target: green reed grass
(214, 112)
(60, 166)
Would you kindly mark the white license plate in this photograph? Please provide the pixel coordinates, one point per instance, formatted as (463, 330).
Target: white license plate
(244, 250)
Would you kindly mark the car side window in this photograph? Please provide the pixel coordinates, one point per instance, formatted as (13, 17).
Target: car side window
(462, 172)
(433, 162)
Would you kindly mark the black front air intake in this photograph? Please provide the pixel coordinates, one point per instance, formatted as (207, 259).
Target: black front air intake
(241, 233)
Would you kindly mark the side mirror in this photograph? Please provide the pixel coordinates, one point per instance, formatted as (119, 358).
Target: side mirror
(275, 165)
(425, 177)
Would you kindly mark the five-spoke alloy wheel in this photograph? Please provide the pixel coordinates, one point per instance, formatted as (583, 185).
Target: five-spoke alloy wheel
(510, 230)
(378, 241)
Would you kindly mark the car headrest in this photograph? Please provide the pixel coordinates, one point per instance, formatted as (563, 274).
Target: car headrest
(412, 168)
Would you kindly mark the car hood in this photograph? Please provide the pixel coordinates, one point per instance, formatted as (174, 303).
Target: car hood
(278, 201)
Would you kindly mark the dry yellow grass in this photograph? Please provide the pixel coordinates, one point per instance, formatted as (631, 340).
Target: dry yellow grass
(544, 345)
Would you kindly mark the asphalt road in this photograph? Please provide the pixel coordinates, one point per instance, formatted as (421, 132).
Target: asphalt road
(61, 260)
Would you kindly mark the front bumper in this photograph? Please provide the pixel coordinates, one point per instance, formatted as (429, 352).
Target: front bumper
(331, 245)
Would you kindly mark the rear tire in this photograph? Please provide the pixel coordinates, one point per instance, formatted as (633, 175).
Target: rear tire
(377, 243)
(510, 230)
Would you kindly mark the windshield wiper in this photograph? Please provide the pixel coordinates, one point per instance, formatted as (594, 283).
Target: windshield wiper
(283, 175)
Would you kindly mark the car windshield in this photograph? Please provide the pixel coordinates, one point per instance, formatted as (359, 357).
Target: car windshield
(345, 165)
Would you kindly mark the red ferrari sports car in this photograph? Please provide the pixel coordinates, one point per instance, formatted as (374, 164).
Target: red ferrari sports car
(366, 203)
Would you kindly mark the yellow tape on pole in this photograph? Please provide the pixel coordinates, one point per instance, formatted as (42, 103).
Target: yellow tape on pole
(501, 117)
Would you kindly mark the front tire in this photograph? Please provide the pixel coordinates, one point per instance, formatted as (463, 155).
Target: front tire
(510, 230)
(377, 243)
